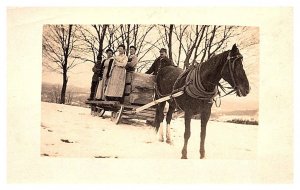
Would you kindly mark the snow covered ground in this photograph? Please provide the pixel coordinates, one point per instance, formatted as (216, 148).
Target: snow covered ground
(69, 131)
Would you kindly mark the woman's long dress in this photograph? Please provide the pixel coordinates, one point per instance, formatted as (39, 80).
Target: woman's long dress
(116, 83)
(103, 83)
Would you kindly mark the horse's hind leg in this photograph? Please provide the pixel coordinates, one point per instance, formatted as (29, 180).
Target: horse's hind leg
(168, 119)
(187, 134)
(159, 117)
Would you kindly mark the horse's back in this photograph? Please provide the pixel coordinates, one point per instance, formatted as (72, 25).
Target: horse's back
(166, 78)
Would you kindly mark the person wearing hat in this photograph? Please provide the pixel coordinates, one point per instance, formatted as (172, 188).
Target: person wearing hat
(116, 83)
(106, 67)
(159, 63)
(95, 79)
(132, 59)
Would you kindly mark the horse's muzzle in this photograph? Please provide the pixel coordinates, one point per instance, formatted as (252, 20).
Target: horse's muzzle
(240, 91)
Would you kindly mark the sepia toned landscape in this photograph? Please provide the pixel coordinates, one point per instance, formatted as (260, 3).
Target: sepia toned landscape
(187, 45)
(54, 136)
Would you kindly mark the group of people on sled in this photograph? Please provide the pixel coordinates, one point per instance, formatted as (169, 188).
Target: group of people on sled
(108, 81)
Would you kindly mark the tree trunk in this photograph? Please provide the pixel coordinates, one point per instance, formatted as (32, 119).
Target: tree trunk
(65, 68)
(127, 39)
(198, 43)
(190, 52)
(170, 41)
(101, 39)
(64, 88)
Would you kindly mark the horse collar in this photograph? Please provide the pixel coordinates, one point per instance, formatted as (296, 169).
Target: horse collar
(194, 87)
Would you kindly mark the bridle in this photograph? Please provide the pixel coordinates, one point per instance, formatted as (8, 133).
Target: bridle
(231, 66)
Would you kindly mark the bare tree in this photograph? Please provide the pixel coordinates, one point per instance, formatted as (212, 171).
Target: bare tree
(110, 38)
(136, 35)
(166, 32)
(122, 34)
(92, 46)
(95, 38)
(194, 43)
(70, 97)
(144, 45)
(203, 41)
(216, 40)
(54, 95)
(179, 35)
(59, 49)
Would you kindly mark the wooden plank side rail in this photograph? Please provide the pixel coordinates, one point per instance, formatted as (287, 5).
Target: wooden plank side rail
(97, 102)
(163, 99)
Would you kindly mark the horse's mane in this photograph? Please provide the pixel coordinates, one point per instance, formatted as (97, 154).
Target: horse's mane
(215, 59)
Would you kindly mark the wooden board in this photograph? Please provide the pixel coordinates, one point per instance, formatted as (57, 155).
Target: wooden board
(127, 89)
(128, 77)
(126, 100)
(142, 90)
(98, 102)
(139, 117)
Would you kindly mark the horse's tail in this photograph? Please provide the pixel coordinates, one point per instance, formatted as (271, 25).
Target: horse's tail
(156, 121)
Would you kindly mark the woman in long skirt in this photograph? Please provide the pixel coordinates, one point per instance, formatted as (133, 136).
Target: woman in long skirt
(106, 67)
(116, 83)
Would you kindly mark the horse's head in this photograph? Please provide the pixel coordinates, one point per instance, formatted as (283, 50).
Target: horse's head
(234, 73)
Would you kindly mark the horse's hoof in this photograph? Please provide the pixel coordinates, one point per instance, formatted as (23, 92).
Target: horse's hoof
(183, 157)
(161, 140)
(169, 141)
(202, 154)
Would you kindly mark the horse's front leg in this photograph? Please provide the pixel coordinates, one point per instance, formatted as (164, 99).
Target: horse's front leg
(187, 134)
(204, 119)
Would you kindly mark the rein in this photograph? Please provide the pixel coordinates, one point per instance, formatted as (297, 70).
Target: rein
(219, 95)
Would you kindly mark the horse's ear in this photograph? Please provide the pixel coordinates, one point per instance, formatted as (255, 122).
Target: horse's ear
(234, 48)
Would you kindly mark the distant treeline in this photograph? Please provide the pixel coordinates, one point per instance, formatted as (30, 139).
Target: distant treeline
(243, 121)
(74, 95)
(248, 117)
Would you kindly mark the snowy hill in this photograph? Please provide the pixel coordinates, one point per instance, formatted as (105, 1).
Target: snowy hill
(70, 131)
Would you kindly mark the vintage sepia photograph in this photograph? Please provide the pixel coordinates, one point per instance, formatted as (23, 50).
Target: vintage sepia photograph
(108, 87)
(161, 95)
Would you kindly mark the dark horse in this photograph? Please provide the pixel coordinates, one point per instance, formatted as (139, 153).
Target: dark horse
(200, 86)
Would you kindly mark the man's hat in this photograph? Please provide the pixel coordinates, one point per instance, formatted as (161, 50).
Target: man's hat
(109, 50)
(163, 50)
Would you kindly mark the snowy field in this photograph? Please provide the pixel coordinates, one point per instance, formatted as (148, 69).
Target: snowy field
(69, 131)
